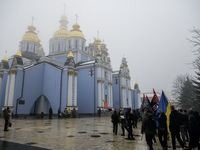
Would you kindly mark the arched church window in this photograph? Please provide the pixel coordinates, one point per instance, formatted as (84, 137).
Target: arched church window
(105, 74)
(34, 48)
(82, 45)
(58, 47)
(116, 81)
(76, 44)
(27, 47)
(52, 48)
(69, 42)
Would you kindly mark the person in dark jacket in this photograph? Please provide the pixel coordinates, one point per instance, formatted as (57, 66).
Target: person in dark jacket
(6, 118)
(162, 129)
(148, 128)
(130, 120)
(194, 130)
(182, 125)
(50, 113)
(187, 124)
(115, 121)
(174, 126)
(123, 122)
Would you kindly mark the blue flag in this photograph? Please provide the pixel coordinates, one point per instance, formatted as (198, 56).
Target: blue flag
(163, 103)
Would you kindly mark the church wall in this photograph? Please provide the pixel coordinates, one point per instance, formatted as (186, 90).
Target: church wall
(51, 85)
(33, 85)
(18, 87)
(116, 93)
(61, 59)
(3, 89)
(105, 86)
(127, 98)
(85, 92)
(134, 96)
(84, 58)
(64, 90)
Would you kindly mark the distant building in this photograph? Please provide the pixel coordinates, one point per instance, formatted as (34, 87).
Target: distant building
(73, 75)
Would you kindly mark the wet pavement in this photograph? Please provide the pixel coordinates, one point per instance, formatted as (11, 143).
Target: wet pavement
(90, 133)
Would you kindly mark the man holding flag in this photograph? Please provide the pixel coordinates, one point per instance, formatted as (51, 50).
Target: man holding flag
(163, 113)
(154, 102)
(145, 103)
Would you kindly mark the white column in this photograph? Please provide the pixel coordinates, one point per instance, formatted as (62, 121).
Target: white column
(122, 97)
(139, 99)
(12, 88)
(7, 90)
(69, 96)
(111, 97)
(99, 93)
(75, 89)
(99, 86)
(108, 96)
(1, 76)
(129, 98)
(103, 95)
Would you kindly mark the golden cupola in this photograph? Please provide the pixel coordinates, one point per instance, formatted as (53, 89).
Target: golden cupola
(98, 42)
(63, 31)
(76, 32)
(40, 49)
(30, 35)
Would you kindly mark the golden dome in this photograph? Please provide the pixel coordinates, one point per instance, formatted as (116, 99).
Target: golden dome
(40, 49)
(98, 41)
(64, 17)
(76, 32)
(30, 35)
(136, 82)
(62, 32)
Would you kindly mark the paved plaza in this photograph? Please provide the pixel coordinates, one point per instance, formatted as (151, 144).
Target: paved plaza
(89, 133)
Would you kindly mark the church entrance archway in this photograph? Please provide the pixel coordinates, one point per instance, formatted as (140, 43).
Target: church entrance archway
(42, 104)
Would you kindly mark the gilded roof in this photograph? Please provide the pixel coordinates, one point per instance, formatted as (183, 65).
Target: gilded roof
(76, 32)
(63, 31)
(18, 53)
(30, 35)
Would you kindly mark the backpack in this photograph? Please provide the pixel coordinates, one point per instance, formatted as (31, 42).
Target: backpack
(151, 123)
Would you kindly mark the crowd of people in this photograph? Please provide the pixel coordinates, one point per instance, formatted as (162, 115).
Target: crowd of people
(183, 127)
(127, 120)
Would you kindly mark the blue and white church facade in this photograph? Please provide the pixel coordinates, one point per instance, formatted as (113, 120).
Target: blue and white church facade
(73, 76)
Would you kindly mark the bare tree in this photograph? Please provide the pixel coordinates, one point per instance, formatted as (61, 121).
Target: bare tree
(177, 86)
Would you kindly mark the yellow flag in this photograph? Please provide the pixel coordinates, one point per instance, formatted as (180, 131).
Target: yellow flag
(168, 112)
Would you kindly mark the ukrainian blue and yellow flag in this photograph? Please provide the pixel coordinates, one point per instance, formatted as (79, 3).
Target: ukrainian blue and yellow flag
(164, 105)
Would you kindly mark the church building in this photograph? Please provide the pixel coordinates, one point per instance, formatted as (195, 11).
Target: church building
(72, 76)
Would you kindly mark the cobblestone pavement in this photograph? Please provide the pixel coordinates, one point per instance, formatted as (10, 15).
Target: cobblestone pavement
(69, 134)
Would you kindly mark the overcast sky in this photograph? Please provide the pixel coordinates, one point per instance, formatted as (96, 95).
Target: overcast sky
(150, 34)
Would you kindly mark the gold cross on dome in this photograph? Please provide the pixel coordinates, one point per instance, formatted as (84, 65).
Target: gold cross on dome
(76, 17)
(64, 6)
(32, 19)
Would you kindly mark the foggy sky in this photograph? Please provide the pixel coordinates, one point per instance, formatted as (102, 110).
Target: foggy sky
(150, 34)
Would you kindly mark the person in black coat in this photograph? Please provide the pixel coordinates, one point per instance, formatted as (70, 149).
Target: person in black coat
(162, 128)
(50, 113)
(194, 130)
(130, 120)
(115, 121)
(174, 126)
